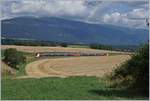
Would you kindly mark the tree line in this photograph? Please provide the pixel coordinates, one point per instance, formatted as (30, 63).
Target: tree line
(32, 42)
(100, 46)
(9, 41)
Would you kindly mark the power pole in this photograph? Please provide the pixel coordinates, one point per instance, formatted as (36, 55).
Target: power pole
(147, 22)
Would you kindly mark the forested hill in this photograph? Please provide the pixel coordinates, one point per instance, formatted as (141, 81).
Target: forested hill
(62, 30)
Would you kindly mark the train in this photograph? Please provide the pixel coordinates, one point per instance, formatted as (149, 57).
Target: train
(46, 54)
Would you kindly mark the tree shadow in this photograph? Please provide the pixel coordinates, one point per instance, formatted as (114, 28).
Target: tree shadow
(117, 93)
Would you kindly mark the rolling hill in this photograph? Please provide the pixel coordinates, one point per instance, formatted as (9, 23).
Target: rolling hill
(62, 30)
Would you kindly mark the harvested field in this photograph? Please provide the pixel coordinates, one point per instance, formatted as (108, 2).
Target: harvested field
(35, 49)
(74, 66)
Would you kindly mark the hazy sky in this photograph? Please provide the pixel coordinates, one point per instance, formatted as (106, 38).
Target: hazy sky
(122, 13)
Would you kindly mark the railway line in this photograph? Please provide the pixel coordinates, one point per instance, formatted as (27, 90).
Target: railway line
(47, 54)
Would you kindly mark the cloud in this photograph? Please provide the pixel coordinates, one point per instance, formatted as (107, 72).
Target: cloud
(115, 17)
(139, 13)
(49, 7)
(100, 7)
(135, 18)
(93, 11)
(138, 4)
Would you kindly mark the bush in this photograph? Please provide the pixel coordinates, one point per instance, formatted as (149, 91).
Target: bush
(13, 58)
(63, 45)
(99, 46)
(134, 73)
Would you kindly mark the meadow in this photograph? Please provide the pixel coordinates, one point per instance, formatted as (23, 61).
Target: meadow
(72, 88)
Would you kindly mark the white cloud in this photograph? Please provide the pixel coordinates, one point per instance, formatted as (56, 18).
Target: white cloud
(134, 18)
(138, 13)
(112, 12)
(53, 7)
(113, 18)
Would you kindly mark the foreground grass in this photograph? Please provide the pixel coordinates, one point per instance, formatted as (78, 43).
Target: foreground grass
(62, 88)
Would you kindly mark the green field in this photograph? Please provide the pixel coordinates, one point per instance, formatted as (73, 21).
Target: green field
(62, 88)
(78, 46)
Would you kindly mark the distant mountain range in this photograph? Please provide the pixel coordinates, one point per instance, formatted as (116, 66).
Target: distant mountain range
(62, 30)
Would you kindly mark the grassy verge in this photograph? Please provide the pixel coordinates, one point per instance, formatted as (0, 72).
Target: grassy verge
(74, 88)
(78, 46)
(2, 54)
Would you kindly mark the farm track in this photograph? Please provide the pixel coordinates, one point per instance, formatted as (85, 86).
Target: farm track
(74, 66)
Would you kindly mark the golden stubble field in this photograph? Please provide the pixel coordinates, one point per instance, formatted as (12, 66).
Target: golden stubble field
(35, 49)
(71, 66)
(74, 66)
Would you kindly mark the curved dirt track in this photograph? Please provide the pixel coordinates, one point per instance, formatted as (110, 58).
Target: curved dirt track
(74, 66)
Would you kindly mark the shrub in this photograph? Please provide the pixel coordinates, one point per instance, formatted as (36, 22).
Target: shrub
(99, 46)
(134, 73)
(12, 57)
(63, 45)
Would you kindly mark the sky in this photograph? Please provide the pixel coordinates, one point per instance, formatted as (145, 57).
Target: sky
(121, 13)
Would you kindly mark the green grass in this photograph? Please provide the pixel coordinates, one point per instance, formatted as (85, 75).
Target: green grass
(21, 70)
(78, 46)
(74, 88)
(2, 54)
